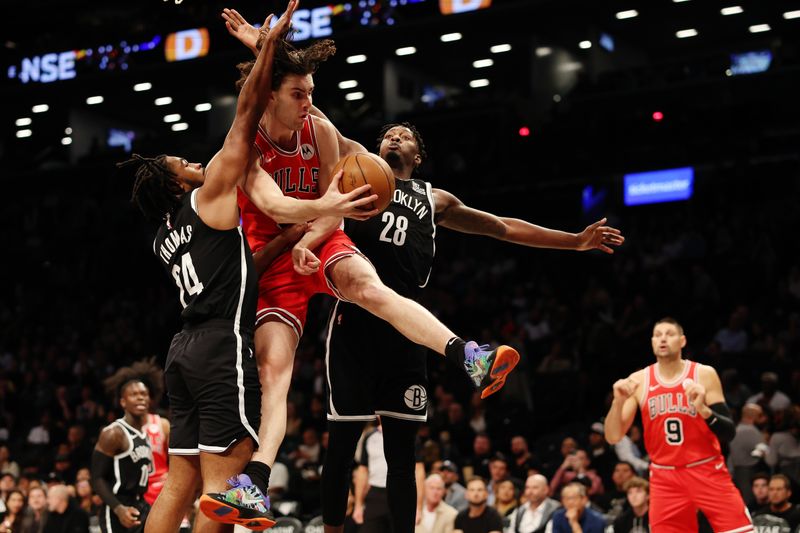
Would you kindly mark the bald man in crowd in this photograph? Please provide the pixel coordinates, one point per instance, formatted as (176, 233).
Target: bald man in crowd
(533, 515)
(437, 516)
(65, 515)
(742, 464)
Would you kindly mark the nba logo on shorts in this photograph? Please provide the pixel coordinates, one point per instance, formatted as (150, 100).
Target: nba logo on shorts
(416, 397)
(307, 151)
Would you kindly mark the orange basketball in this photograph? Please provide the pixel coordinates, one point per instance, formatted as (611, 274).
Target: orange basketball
(367, 168)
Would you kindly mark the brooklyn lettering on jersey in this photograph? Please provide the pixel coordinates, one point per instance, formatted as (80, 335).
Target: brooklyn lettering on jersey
(174, 238)
(141, 452)
(290, 182)
(669, 403)
(419, 208)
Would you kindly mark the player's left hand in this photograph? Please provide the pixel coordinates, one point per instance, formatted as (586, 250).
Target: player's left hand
(241, 29)
(696, 394)
(281, 28)
(600, 237)
(305, 262)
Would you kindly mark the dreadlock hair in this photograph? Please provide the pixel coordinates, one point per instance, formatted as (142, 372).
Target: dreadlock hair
(414, 131)
(289, 60)
(145, 371)
(156, 190)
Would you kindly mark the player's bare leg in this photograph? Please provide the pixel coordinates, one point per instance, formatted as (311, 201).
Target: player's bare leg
(177, 496)
(358, 282)
(275, 346)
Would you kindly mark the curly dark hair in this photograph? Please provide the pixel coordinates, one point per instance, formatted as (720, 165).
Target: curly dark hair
(156, 190)
(289, 60)
(417, 138)
(145, 371)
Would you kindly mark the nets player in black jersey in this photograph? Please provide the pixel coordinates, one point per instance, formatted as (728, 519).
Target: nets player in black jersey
(122, 459)
(401, 244)
(211, 375)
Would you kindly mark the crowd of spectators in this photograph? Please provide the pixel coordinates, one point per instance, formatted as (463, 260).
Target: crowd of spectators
(82, 297)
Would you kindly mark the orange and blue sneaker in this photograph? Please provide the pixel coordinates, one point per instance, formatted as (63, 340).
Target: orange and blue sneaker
(488, 369)
(242, 504)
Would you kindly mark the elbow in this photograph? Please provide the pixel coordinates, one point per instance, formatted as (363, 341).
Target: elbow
(612, 437)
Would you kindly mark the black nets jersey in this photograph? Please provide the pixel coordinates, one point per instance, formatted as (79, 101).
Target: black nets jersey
(400, 240)
(212, 268)
(132, 466)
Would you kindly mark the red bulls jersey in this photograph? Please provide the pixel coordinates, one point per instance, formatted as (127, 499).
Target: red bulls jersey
(158, 443)
(674, 434)
(295, 171)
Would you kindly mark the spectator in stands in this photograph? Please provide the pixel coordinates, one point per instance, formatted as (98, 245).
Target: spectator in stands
(35, 514)
(602, 456)
(437, 516)
(741, 461)
(784, 446)
(8, 483)
(12, 519)
(7, 466)
(628, 451)
(477, 420)
(455, 492)
(523, 461)
(780, 514)
(576, 516)
(759, 490)
(40, 435)
(733, 338)
(478, 517)
(478, 464)
(770, 398)
(64, 515)
(635, 519)
(505, 500)
(736, 392)
(498, 472)
(536, 509)
(576, 468)
(615, 501)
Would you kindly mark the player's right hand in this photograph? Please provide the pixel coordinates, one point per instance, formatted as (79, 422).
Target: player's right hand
(305, 262)
(128, 516)
(624, 388)
(241, 29)
(349, 205)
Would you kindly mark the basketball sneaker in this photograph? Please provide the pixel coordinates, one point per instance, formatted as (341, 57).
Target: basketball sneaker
(242, 504)
(489, 368)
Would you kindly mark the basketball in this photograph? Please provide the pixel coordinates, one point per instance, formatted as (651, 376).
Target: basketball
(367, 168)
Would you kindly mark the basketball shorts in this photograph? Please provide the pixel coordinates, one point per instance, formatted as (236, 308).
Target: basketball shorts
(109, 523)
(213, 388)
(676, 494)
(372, 369)
(284, 294)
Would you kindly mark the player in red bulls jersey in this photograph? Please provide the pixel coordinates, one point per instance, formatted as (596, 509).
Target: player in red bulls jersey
(158, 436)
(684, 417)
(299, 151)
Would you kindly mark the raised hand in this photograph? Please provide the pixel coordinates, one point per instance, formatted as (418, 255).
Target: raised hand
(281, 27)
(600, 237)
(349, 205)
(624, 388)
(241, 29)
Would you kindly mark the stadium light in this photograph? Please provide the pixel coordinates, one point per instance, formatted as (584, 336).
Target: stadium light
(732, 10)
(406, 51)
(41, 108)
(358, 58)
(483, 82)
(500, 48)
(164, 100)
(144, 86)
(791, 15)
(180, 126)
(450, 37)
(348, 84)
(358, 95)
(585, 45)
(759, 28)
(24, 121)
(205, 106)
(543, 51)
(94, 100)
(482, 63)
(21, 134)
(628, 14)
(683, 34)
(66, 141)
(174, 117)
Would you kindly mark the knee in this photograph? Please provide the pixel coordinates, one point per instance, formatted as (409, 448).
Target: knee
(370, 293)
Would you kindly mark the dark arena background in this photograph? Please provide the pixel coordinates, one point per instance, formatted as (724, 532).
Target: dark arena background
(678, 120)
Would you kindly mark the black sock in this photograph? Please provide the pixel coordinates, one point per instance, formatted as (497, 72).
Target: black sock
(454, 350)
(259, 475)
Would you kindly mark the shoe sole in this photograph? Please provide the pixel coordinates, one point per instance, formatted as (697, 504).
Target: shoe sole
(227, 514)
(504, 362)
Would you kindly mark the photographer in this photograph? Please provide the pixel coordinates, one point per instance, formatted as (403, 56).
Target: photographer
(576, 468)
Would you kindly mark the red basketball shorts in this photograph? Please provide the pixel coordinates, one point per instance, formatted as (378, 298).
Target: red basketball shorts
(676, 494)
(284, 294)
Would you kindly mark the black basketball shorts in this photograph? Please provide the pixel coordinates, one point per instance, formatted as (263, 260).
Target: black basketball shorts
(213, 388)
(372, 369)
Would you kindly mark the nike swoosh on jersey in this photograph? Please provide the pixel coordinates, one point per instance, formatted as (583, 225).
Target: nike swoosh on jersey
(719, 466)
(654, 387)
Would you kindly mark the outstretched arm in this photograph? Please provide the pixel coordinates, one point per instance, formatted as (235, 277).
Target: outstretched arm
(452, 213)
(232, 161)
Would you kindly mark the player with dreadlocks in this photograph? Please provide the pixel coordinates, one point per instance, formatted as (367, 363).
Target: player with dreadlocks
(211, 376)
(122, 459)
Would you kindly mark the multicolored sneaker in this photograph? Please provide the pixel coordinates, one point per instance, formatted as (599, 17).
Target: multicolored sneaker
(242, 504)
(489, 366)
